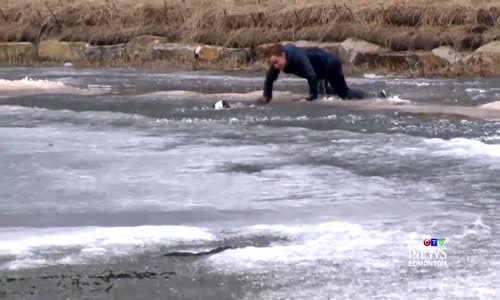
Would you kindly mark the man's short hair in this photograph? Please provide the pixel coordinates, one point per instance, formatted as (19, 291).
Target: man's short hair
(276, 49)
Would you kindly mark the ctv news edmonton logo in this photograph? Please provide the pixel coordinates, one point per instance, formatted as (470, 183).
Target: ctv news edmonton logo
(431, 254)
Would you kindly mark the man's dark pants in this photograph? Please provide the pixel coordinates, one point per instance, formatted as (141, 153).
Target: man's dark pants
(336, 79)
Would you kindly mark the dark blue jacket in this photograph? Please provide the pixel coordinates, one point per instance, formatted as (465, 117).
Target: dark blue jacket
(310, 63)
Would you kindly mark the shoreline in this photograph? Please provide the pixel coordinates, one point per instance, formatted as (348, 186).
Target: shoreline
(416, 40)
(151, 52)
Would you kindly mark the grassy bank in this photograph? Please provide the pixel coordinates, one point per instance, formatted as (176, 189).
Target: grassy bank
(400, 25)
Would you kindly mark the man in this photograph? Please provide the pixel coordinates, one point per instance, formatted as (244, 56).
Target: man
(313, 64)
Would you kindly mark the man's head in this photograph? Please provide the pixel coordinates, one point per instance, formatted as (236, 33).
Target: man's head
(277, 56)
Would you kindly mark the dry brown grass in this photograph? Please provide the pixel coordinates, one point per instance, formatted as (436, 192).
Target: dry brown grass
(401, 25)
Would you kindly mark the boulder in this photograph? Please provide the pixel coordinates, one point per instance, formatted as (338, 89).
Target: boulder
(172, 51)
(52, 50)
(332, 47)
(469, 58)
(359, 52)
(485, 59)
(447, 54)
(404, 60)
(105, 53)
(261, 50)
(234, 55)
(207, 53)
(17, 52)
(143, 47)
(492, 47)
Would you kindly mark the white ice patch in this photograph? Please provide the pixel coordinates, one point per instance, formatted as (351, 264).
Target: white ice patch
(309, 243)
(327, 99)
(397, 100)
(474, 90)
(28, 86)
(373, 76)
(321, 261)
(99, 87)
(30, 247)
(28, 83)
(414, 82)
(491, 105)
(463, 147)
(391, 100)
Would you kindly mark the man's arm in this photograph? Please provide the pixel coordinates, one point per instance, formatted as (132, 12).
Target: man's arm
(271, 76)
(311, 77)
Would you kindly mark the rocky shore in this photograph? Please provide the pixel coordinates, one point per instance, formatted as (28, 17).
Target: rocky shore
(421, 38)
(357, 55)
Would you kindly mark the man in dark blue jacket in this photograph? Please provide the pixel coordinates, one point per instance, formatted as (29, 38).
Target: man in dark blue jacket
(311, 63)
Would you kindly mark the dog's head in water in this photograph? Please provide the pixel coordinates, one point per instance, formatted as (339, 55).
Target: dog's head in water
(221, 104)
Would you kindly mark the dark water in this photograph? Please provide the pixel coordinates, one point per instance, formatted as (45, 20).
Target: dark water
(296, 201)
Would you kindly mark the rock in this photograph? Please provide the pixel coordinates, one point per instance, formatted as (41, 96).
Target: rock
(178, 52)
(235, 55)
(62, 51)
(469, 59)
(17, 52)
(261, 50)
(332, 47)
(143, 47)
(493, 47)
(485, 58)
(395, 61)
(358, 52)
(105, 53)
(404, 60)
(472, 63)
(207, 53)
(447, 53)
(212, 54)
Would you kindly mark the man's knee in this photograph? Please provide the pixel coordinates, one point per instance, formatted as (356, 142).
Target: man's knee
(339, 86)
